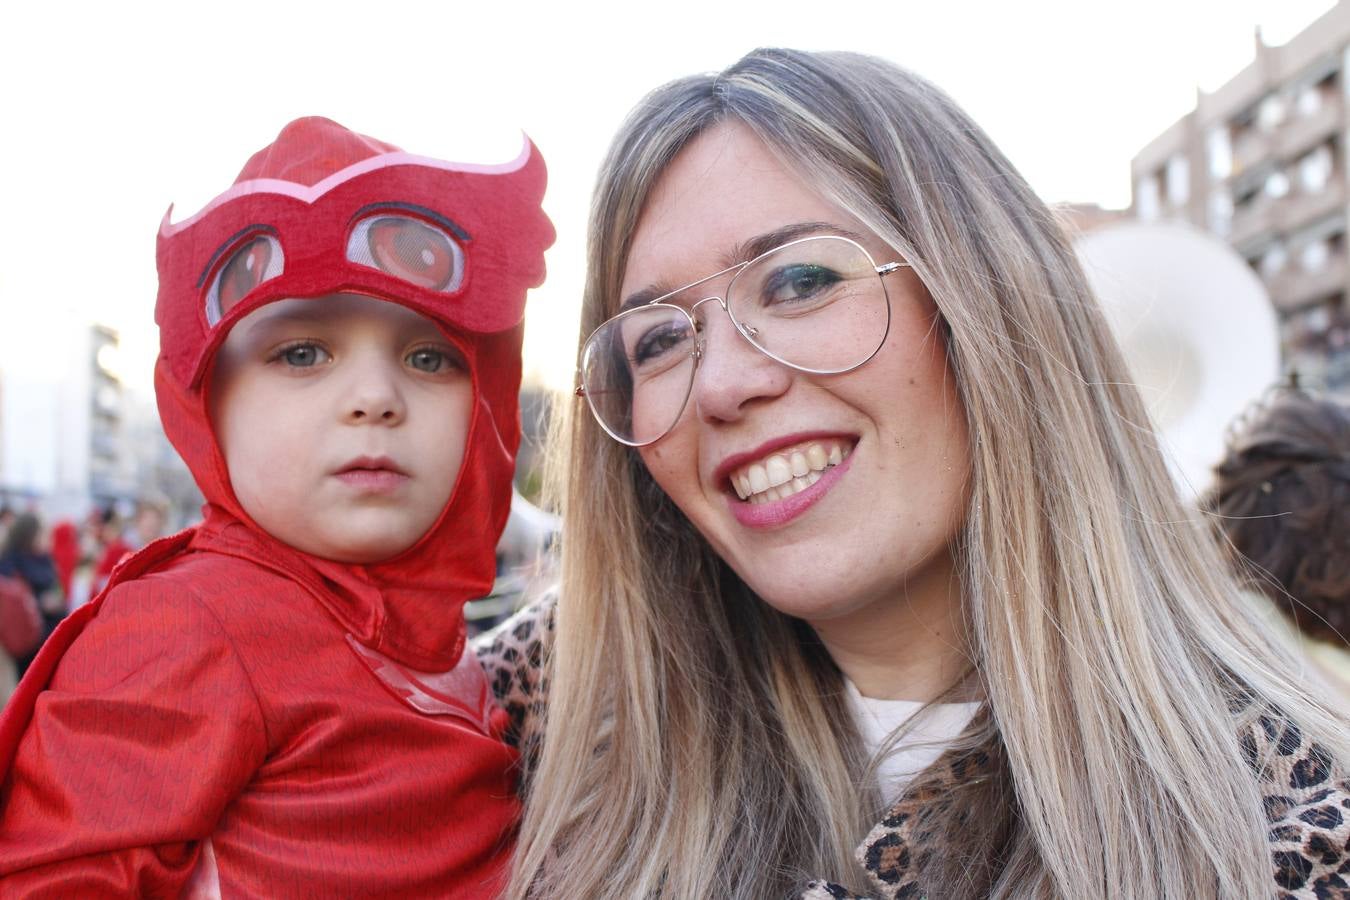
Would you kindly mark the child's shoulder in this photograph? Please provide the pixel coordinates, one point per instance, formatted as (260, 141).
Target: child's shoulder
(193, 604)
(148, 639)
(163, 618)
(229, 588)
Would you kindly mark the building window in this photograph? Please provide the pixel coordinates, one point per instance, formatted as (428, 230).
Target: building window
(1270, 114)
(1147, 203)
(1308, 103)
(1314, 257)
(1219, 150)
(1277, 184)
(1314, 169)
(1273, 260)
(1178, 180)
(1316, 321)
(1220, 213)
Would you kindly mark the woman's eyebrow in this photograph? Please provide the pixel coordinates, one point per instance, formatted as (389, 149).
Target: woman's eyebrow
(746, 251)
(644, 296)
(763, 243)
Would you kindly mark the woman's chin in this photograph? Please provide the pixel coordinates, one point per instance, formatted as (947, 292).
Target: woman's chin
(811, 599)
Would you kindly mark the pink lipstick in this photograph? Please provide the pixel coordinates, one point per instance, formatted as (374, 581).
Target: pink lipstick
(780, 512)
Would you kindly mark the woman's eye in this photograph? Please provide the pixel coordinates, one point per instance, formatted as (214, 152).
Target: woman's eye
(660, 341)
(431, 360)
(303, 356)
(798, 282)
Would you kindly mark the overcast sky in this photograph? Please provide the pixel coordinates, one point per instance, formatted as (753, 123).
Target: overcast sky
(110, 112)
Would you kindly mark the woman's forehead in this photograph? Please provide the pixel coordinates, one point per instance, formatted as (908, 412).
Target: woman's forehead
(725, 198)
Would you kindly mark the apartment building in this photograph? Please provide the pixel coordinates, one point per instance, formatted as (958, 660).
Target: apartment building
(1261, 163)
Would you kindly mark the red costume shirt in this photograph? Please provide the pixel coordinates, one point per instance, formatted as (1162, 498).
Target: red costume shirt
(232, 717)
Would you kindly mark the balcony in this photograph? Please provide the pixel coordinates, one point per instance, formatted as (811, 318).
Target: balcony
(1294, 288)
(1252, 221)
(1299, 208)
(1251, 149)
(1264, 215)
(1301, 133)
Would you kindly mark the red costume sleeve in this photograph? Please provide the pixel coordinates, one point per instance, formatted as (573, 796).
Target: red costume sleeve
(148, 728)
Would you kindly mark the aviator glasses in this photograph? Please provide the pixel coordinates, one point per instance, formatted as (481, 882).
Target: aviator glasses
(817, 304)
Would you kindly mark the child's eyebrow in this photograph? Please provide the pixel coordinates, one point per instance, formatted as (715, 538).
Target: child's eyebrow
(318, 315)
(253, 331)
(297, 315)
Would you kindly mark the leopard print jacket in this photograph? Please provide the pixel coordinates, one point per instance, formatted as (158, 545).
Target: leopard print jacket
(1307, 794)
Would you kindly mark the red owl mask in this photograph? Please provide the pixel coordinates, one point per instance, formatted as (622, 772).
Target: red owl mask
(324, 210)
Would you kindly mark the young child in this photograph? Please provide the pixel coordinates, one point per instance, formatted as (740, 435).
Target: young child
(277, 702)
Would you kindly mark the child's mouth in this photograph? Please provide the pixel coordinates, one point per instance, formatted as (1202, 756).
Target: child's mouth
(377, 474)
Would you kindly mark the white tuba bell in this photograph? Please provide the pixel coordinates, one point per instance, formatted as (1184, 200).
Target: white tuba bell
(1196, 326)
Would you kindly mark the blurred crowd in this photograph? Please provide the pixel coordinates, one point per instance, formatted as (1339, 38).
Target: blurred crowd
(49, 569)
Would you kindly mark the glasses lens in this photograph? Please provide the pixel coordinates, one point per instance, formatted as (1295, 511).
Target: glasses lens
(816, 304)
(637, 369)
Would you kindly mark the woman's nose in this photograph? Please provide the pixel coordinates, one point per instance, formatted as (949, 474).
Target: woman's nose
(733, 375)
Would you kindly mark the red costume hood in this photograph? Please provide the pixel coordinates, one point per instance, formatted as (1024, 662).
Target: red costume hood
(324, 210)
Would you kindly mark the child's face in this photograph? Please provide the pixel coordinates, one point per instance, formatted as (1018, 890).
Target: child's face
(342, 421)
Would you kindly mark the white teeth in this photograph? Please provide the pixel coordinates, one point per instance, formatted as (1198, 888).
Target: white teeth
(758, 480)
(784, 474)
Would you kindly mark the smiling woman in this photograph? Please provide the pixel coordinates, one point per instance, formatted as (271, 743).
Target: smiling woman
(793, 521)
(890, 415)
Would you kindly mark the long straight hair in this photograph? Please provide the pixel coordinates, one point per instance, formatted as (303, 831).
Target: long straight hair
(698, 742)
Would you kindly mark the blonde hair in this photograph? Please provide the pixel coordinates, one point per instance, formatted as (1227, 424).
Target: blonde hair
(698, 741)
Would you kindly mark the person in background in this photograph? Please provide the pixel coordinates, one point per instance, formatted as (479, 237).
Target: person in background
(148, 524)
(1282, 499)
(110, 543)
(66, 554)
(7, 516)
(25, 556)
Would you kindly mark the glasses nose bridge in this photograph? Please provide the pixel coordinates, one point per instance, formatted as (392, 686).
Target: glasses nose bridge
(720, 296)
(721, 301)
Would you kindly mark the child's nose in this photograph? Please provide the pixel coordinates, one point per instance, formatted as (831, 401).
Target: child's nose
(375, 397)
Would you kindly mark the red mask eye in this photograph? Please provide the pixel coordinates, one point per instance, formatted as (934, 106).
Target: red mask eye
(253, 263)
(408, 249)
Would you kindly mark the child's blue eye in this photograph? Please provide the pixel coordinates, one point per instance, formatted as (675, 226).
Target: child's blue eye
(429, 360)
(303, 356)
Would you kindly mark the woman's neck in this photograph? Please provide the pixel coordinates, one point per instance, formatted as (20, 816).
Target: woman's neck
(912, 645)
